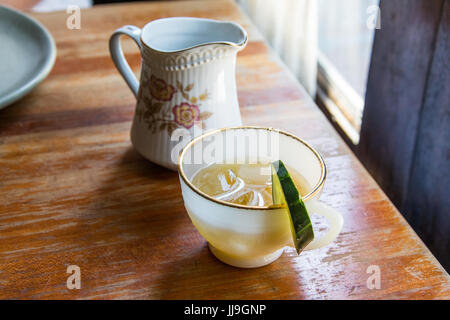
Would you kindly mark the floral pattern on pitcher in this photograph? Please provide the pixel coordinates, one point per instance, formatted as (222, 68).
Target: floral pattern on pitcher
(160, 90)
(159, 114)
(186, 114)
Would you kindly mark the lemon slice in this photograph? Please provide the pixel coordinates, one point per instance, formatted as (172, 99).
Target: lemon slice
(284, 192)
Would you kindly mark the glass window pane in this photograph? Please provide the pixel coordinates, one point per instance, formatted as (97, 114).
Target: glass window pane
(345, 38)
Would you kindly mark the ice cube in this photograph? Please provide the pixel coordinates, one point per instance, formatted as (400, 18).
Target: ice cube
(245, 197)
(227, 180)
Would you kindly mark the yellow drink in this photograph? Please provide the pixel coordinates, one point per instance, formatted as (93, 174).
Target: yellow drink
(246, 184)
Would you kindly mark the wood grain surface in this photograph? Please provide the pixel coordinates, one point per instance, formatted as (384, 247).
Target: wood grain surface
(75, 192)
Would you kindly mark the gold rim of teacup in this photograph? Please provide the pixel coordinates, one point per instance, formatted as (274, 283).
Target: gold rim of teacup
(315, 190)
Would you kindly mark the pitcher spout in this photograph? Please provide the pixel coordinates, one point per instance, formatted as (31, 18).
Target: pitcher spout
(229, 33)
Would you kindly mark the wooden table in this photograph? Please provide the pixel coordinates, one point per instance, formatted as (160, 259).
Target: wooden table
(75, 192)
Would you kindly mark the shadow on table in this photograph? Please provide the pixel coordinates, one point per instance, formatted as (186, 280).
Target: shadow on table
(197, 274)
(136, 206)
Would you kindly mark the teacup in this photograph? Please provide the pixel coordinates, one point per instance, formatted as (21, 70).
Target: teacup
(251, 236)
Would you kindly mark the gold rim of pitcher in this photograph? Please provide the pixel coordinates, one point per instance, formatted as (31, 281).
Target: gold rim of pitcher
(315, 190)
(239, 46)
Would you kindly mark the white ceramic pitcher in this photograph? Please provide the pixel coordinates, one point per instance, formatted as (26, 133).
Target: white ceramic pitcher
(187, 80)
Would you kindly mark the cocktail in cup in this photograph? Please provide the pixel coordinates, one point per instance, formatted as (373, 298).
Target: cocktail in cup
(243, 228)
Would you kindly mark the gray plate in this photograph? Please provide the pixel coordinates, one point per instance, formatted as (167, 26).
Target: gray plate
(27, 54)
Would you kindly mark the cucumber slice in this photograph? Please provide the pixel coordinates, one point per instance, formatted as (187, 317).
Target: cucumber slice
(285, 192)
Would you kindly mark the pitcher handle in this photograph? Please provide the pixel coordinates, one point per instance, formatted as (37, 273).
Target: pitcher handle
(118, 57)
(334, 219)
